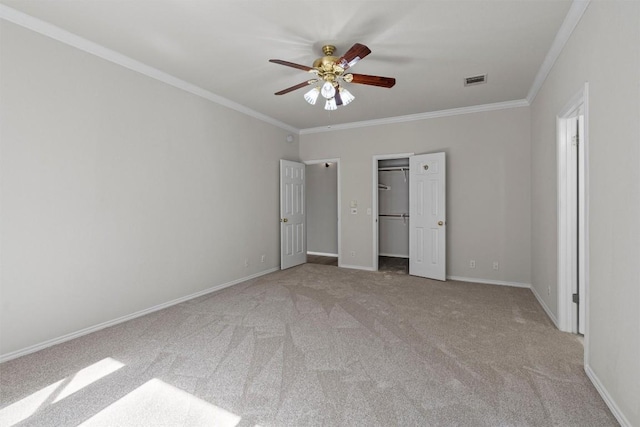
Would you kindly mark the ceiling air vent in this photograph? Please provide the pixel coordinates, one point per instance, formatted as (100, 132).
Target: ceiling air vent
(475, 80)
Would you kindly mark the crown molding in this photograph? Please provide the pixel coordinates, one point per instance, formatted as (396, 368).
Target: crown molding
(57, 33)
(420, 116)
(564, 33)
(574, 15)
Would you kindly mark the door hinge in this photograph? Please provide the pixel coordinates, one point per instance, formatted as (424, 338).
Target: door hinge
(575, 298)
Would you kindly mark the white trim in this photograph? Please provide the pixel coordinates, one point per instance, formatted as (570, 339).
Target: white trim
(419, 116)
(564, 33)
(374, 200)
(95, 328)
(585, 237)
(322, 254)
(545, 307)
(335, 160)
(624, 422)
(490, 282)
(357, 267)
(315, 162)
(564, 272)
(57, 33)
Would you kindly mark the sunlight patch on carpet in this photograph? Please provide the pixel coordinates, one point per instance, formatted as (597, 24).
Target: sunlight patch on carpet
(57, 391)
(156, 403)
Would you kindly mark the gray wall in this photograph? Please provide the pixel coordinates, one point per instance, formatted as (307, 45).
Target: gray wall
(604, 51)
(322, 208)
(116, 196)
(120, 192)
(488, 187)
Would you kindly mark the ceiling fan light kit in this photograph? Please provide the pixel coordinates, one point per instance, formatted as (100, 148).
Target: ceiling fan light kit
(331, 105)
(312, 96)
(330, 72)
(328, 90)
(346, 96)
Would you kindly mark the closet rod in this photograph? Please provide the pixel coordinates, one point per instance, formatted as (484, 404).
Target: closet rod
(396, 215)
(399, 168)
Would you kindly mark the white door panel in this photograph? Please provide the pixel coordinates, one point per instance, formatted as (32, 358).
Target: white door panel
(293, 245)
(427, 216)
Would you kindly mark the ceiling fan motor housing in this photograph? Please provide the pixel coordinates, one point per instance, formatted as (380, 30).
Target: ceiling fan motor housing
(327, 66)
(331, 70)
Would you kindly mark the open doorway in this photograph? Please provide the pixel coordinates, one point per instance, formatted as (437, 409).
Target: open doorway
(572, 215)
(323, 211)
(423, 189)
(391, 213)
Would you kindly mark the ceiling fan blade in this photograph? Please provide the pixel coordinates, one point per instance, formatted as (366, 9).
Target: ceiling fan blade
(364, 79)
(353, 55)
(296, 87)
(338, 98)
(291, 64)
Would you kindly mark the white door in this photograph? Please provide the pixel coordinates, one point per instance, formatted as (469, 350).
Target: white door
(427, 216)
(293, 242)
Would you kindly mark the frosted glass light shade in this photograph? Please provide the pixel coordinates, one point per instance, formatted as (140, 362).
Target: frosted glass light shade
(328, 91)
(331, 104)
(346, 96)
(312, 96)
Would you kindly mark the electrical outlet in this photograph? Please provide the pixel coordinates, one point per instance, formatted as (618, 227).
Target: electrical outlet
(472, 263)
(548, 290)
(353, 254)
(263, 258)
(496, 265)
(246, 262)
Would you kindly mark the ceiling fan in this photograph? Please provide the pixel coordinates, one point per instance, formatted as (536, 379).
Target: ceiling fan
(330, 75)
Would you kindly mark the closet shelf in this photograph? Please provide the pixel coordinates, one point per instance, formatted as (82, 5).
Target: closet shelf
(395, 215)
(397, 168)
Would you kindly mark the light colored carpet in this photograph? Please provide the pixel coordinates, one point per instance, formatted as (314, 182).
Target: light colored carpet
(316, 345)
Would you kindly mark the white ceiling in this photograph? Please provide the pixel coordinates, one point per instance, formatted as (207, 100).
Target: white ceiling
(224, 46)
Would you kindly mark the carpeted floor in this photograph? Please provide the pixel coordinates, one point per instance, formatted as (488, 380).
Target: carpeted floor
(324, 260)
(393, 265)
(316, 345)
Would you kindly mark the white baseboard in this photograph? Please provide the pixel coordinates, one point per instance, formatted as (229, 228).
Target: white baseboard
(545, 307)
(489, 282)
(356, 267)
(85, 331)
(624, 422)
(322, 254)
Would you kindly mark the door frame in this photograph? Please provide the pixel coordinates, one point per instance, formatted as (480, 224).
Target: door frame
(374, 199)
(338, 195)
(567, 316)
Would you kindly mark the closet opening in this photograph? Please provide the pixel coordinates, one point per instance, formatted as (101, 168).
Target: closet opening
(393, 215)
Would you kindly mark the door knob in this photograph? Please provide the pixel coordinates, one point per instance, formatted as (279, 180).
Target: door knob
(284, 220)
(440, 223)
